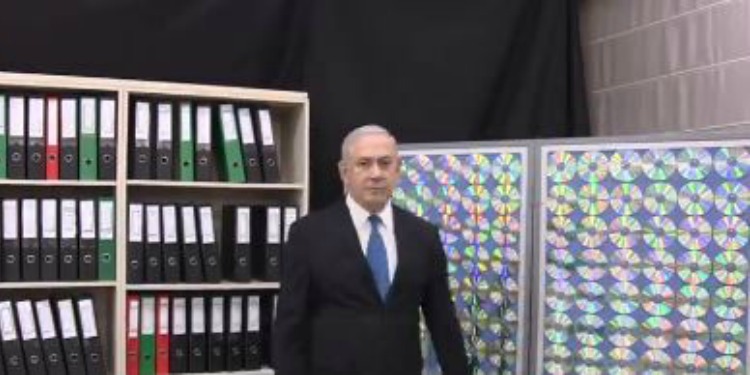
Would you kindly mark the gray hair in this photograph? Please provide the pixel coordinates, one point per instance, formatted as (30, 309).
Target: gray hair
(355, 134)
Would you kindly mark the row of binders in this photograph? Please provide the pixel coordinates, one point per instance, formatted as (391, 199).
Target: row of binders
(57, 239)
(67, 340)
(51, 137)
(179, 334)
(203, 142)
(170, 243)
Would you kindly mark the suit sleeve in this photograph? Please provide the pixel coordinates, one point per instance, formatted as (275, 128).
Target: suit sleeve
(291, 331)
(440, 315)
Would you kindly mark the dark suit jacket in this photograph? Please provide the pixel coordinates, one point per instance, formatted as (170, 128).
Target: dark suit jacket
(330, 319)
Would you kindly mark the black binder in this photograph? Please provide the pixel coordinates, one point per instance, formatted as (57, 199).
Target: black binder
(268, 224)
(269, 151)
(53, 355)
(141, 145)
(204, 159)
(153, 271)
(29, 240)
(87, 254)
(32, 347)
(216, 342)
(170, 245)
(69, 139)
(249, 146)
(252, 333)
(193, 263)
(178, 340)
(197, 341)
(17, 137)
(68, 239)
(235, 353)
(107, 139)
(237, 242)
(49, 246)
(11, 267)
(164, 142)
(71, 344)
(35, 141)
(209, 250)
(11, 342)
(92, 344)
(135, 243)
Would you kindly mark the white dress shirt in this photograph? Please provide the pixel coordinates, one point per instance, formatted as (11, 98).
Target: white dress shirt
(360, 217)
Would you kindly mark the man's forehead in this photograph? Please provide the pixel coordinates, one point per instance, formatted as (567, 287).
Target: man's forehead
(374, 145)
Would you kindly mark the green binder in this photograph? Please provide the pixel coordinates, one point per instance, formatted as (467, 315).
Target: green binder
(187, 143)
(88, 148)
(106, 239)
(148, 336)
(3, 137)
(230, 149)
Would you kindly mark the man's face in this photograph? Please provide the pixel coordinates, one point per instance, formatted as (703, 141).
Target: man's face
(371, 170)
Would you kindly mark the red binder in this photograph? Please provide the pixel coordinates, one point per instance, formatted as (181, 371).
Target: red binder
(133, 344)
(52, 144)
(162, 335)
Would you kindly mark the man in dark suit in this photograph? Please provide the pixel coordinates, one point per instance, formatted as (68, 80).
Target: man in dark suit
(356, 274)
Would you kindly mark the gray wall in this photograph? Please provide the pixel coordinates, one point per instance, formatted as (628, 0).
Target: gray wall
(666, 65)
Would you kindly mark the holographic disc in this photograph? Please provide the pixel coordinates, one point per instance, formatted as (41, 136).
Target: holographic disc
(694, 233)
(557, 368)
(691, 364)
(593, 231)
(506, 168)
(622, 331)
(655, 362)
(656, 332)
(590, 298)
(731, 267)
(561, 200)
(658, 299)
(660, 198)
(625, 232)
(475, 200)
(560, 263)
(592, 264)
(560, 231)
(693, 267)
(447, 170)
(659, 165)
(506, 199)
(625, 165)
(728, 337)
(505, 230)
(731, 233)
(659, 232)
(732, 198)
(557, 352)
(729, 302)
(561, 166)
(694, 163)
(623, 298)
(732, 162)
(592, 166)
(476, 169)
(588, 330)
(624, 265)
(727, 365)
(593, 199)
(557, 328)
(695, 198)
(659, 266)
(624, 362)
(626, 199)
(692, 335)
(560, 296)
(692, 301)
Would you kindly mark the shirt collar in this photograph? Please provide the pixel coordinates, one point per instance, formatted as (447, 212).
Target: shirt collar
(360, 215)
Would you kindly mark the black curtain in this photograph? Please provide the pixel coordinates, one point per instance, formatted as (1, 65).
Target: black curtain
(437, 70)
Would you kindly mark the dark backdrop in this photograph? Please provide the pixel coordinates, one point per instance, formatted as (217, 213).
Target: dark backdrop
(429, 70)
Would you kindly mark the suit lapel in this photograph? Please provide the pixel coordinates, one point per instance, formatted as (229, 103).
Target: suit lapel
(403, 243)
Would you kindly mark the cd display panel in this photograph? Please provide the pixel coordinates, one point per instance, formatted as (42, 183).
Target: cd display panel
(477, 197)
(643, 259)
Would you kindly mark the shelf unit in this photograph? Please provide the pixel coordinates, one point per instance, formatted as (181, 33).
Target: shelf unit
(290, 112)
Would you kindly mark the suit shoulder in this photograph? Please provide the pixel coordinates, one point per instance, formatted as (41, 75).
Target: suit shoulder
(415, 221)
(313, 221)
